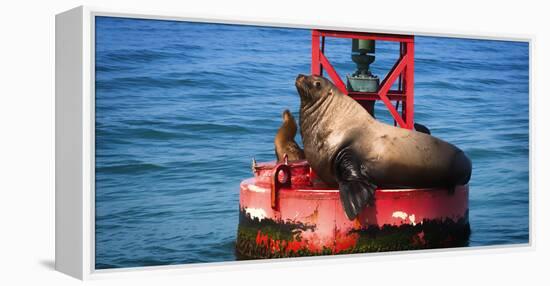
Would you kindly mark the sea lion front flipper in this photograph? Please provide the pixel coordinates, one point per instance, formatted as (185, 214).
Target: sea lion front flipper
(356, 190)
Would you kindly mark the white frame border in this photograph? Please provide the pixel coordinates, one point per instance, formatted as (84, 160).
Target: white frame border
(87, 265)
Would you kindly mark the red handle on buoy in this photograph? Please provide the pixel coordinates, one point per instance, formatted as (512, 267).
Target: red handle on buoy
(278, 183)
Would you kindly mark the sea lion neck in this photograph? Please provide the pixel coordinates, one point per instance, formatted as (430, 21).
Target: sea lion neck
(311, 113)
(311, 106)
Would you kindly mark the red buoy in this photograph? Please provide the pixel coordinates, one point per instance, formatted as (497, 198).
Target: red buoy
(286, 211)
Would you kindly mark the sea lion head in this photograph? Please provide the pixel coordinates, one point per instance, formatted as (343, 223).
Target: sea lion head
(287, 116)
(289, 123)
(313, 88)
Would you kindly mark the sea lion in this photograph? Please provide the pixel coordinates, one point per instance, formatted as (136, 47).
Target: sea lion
(345, 145)
(284, 140)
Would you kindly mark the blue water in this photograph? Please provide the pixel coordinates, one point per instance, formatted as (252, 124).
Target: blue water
(181, 109)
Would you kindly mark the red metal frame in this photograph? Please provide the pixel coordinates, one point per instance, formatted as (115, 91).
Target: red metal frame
(402, 72)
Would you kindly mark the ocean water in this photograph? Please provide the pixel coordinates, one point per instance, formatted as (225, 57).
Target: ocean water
(182, 108)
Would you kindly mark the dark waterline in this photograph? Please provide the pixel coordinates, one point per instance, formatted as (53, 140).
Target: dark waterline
(181, 109)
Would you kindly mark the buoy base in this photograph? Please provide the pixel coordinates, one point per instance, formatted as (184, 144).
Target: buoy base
(286, 212)
(278, 239)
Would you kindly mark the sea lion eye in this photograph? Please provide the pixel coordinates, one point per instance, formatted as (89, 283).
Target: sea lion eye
(317, 84)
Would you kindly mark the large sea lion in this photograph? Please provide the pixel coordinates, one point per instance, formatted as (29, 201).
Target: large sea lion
(284, 140)
(345, 145)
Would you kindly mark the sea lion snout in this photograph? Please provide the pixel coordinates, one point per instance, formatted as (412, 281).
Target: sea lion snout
(300, 80)
(305, 80)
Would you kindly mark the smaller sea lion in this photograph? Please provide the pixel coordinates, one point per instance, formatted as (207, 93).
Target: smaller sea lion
(284, 140)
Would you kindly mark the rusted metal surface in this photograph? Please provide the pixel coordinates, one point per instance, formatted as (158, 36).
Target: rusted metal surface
(309, 220)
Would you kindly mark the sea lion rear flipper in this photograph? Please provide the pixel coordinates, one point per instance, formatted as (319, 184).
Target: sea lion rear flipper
(356, 190)
(422, 128)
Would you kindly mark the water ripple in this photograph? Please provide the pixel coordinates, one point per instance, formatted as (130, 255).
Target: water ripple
(181, 109)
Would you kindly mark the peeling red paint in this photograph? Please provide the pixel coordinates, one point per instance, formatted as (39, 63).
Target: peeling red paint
(313, 203)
